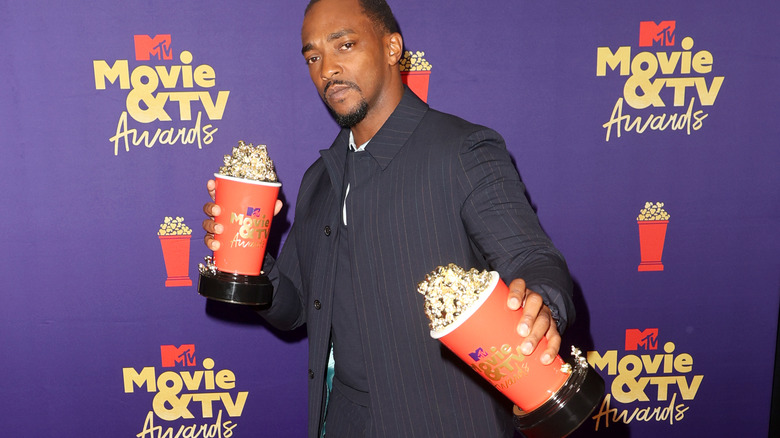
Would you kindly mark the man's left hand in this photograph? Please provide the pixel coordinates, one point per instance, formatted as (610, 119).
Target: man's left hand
(536, 322)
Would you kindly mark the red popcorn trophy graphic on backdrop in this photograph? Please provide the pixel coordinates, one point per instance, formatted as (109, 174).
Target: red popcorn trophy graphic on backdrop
(246, 192)
(174, 237)
(415, 73)
(469, 315)
(652, 222)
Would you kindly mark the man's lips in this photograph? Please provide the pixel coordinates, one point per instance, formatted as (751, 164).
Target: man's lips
(335, 90)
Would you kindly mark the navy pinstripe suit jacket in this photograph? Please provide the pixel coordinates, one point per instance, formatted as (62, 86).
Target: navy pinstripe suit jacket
(440, 190)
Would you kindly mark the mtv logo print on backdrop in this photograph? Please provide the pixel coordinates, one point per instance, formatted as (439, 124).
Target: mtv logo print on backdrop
(158, 47)
(646, 339)
(199, 398)
(663, 33)
(659, 76)
(183, 355)
(162, 94)
(657, 386)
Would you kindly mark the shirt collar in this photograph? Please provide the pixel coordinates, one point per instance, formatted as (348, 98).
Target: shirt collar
(353, 147)
(385, 144)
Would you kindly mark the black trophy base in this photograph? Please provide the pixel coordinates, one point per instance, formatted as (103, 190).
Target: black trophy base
(249, 290)
(568, 407)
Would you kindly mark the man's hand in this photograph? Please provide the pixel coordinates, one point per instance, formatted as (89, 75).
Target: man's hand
(536, 322)
(213, 210)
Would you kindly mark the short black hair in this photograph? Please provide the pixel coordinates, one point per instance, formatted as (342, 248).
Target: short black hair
(378, 11)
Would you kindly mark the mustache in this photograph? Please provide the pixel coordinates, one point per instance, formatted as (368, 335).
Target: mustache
(339, 82)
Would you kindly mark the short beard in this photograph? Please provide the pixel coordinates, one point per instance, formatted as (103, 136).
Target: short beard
(353, 118)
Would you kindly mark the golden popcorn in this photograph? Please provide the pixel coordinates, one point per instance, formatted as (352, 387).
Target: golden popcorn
(449, 291)
(174, 227)
(653, 212)
(414, 62)
(249, 162)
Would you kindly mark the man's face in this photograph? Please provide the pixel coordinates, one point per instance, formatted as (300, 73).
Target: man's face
(345, 56)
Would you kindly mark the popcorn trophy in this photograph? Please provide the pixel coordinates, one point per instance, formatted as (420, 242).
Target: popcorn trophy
(246, 192)
(469, 315)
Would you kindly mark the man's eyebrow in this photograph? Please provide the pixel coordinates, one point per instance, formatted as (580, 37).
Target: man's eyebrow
(334, 36)
(339, 34)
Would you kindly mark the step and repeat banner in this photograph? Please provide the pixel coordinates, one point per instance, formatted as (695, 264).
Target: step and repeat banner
(646, 132)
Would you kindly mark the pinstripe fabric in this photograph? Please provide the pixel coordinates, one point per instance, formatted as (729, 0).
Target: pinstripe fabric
(344, 417)
(433, 189)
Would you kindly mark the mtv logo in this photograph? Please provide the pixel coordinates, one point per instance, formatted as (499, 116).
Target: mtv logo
(478, 354)
(662, 33)
(253, 212)
(183, 355)
(647, 339)
(147, 47)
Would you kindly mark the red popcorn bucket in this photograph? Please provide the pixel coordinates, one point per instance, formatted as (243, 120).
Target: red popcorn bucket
(553, 400)
(652, 235)
(176, 254)
(247, 209)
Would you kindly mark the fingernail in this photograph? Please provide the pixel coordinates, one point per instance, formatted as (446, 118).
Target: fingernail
(527, 348)
(546, 359)
(218, 229)
(514, 303)
(524, 330)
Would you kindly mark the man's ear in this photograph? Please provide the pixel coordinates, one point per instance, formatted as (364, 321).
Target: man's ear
(394, 45)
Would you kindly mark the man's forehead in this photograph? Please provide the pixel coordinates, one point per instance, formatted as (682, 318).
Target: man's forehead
(329, 17)
(330, 5)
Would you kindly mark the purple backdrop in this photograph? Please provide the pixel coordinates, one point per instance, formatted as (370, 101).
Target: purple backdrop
(103, 334)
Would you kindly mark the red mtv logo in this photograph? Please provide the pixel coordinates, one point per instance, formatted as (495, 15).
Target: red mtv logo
(147, 47)
(663, 33)
(647, 339)
(183, 355)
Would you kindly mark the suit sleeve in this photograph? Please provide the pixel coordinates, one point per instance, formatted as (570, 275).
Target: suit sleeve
(287, 310)
(504, 227)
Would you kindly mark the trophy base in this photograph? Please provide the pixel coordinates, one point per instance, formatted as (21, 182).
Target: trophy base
(251, 290)
(567, 408)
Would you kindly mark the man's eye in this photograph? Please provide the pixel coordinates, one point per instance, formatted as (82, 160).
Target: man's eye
(347, 46)
(312, 59)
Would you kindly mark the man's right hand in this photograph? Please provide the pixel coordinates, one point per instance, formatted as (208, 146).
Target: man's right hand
(213, 210)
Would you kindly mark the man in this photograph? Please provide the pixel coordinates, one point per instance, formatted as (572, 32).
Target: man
(403, 189)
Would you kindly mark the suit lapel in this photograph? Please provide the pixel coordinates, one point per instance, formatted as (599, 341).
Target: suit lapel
(397, 129)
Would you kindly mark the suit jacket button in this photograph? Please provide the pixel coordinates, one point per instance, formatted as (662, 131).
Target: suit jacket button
(311, 374)
(327, 230)
(317, 304)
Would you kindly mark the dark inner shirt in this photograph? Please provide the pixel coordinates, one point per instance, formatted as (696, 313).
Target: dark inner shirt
(347, 349)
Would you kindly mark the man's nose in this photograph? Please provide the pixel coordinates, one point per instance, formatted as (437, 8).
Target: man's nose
(330, 68)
